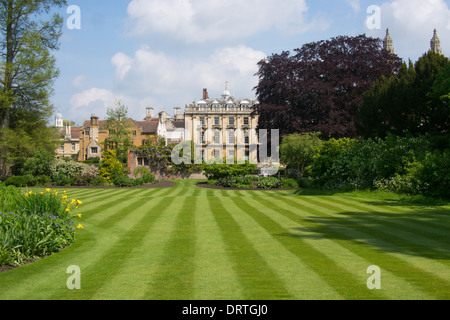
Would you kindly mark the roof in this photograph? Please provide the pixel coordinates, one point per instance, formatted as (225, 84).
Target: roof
(148, 127)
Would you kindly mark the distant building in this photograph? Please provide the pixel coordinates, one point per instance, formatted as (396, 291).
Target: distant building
(435, 43)
(223, 128)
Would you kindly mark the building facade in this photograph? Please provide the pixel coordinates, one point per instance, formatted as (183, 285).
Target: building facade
(223, 128)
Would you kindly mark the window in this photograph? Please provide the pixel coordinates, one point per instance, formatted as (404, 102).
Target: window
(231, 121)
(247, 155)
(216, 154)
(202, 121)
(73, 146)
(217, 137)
(231, 137)
(246, 121)
(246, 138)
(134, 132)
(202, 137)
(231, 153)
(216, 121)
(94, 150)
(61, 148)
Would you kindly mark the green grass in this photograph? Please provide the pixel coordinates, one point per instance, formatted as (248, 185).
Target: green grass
(193, 243)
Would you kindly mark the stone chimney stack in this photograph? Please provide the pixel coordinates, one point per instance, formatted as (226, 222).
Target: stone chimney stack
(177, 113)
(94, 128)
(205, 94)
(68, 131)
(150, 114)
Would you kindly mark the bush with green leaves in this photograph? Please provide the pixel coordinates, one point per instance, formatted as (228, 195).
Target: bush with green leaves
(429, 176)
(217, 171)
(111, 167)
(363, 162)
(269, 183)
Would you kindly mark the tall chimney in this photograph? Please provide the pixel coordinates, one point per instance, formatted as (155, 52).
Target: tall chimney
(205, 94)
(150, 114)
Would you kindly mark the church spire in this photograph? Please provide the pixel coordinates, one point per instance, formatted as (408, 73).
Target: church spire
(388, 43)
(436, 43)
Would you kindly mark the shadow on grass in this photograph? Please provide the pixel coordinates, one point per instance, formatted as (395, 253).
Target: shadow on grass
(378, 231)
(378, 198)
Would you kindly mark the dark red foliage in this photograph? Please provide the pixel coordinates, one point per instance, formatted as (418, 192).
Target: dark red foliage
(320, 87)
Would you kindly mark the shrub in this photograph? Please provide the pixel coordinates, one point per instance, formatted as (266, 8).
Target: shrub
(289, 183)
(148, 178)
(269, 183)
(39, 164)
(21, 181)
(218, 171)
(110, 167)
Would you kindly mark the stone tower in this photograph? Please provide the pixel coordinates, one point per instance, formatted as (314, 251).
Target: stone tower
(388, 43)
(436, 43)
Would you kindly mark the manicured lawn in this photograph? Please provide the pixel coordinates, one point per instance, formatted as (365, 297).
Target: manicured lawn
(192, 243)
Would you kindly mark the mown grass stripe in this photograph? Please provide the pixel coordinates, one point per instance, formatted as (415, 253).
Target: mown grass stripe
(175, 277)
(420, 272)
(412, 216)
(130, 225)
(405, 236)
(257, 280)
(346, 283)
(214, 275)
(313, 226)
(298, 278)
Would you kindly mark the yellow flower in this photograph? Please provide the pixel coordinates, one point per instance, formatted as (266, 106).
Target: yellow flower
(73, 201)
(68, 210)
(48, 190)
(79, 215)
(42, 193)
(79, 226)
(26, 195)
(79, 202)
(64, 197)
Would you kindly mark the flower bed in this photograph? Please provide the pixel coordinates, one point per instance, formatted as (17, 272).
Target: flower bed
(34, 224)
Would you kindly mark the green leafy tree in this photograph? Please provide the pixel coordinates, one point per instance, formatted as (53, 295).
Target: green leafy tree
(441, 87)
(402, 103)
(29, 34)
(118, 125)
(297, 151)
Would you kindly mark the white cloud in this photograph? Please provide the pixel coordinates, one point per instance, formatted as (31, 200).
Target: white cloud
(78, 82)
(169, 81)
(196, 21)
(355, 5)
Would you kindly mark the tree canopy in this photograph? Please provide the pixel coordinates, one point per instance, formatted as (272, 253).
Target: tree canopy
(411, 102)
(29, 32)
(320, 87)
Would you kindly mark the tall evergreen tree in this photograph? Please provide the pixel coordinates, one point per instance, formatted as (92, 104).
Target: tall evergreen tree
(405, 102)
(27, 72)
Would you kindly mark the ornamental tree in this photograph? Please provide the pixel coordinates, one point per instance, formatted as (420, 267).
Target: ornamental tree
(320, 86)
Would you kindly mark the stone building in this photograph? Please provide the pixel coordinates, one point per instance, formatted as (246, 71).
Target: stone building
(223, 128)
(435, 43)
(93, 132)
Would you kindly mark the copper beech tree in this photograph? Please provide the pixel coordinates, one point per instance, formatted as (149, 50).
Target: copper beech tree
(320, 86)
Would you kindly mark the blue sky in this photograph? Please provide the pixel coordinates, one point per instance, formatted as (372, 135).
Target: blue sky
(162, 53)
